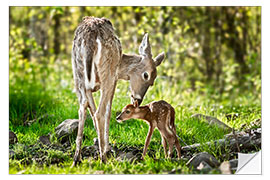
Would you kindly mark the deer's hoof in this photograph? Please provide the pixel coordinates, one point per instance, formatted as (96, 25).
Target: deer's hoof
(76, 160)
(104, 158)
(75, 163)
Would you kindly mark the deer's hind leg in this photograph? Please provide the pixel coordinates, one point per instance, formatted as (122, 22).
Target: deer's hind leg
(168, 134)
(177, 145)
(82, 117)
(91, 106)
(164, 143)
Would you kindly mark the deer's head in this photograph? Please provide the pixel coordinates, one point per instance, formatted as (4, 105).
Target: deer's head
(145, 72)
(128, 112)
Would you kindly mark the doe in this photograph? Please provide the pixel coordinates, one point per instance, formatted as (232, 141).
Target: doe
(160, 115)
(98, 63)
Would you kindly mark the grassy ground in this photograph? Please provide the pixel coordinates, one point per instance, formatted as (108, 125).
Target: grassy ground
(28, 101)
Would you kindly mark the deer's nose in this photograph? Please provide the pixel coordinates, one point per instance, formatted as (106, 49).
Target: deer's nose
(139, 101)
(118, 118)
(137, 98)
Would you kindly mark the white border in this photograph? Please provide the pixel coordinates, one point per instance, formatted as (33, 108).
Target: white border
(265, 72)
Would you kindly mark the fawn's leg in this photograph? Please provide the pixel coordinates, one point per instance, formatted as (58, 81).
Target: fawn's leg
(177, 144)
(171, 143)
(164, 143)
(148, 138)
(82, 117)
(168, 134)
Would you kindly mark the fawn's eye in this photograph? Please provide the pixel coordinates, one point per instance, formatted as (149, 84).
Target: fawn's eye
(145, 76)
(127, 111)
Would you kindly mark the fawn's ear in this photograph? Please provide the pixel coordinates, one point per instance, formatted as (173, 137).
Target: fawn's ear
(136, 104)
(145, 48)
(159, 58)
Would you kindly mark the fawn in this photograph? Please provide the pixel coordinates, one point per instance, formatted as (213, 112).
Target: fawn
(158, 114)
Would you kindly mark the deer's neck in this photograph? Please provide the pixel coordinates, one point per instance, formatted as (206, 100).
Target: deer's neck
(128, 65)
(145, 113)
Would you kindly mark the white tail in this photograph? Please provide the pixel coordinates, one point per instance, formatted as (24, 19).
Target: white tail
(98, 63)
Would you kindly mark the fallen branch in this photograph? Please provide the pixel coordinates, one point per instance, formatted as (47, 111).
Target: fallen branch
(246, 141)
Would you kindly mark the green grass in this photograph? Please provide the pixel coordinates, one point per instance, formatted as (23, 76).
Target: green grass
(60, 103)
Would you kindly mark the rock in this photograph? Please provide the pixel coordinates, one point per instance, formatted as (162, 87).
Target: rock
(11, 154)
(233, 164)
(196, 160)
(66, 128)
(90, 151)
(127, 157)
(12, 138)
(212, 121)
(225, 167)
(45, 140)
(204, 166)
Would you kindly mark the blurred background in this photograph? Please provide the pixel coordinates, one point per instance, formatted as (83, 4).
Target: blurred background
(213, 54)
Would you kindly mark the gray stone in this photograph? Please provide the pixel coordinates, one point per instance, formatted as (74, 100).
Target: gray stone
(67, 128)
(12, 138)
(127, 157)
(212, 121)
(233, 164)
(11, 154)
(204, 166)
(196, 160)
(45, 140)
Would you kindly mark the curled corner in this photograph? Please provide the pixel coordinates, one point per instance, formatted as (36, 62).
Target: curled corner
(249, 163)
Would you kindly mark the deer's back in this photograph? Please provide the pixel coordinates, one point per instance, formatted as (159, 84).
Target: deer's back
(160, 110)
(96, 52)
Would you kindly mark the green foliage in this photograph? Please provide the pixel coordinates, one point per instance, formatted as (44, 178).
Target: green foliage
(202, 73)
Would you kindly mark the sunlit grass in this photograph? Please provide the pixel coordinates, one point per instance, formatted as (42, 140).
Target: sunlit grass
(63, 105)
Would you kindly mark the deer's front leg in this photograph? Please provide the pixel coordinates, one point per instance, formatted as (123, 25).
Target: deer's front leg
(148, 138)
(102, 117)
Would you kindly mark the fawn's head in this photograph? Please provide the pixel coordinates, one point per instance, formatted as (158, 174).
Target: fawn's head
(145, 72)
(128, 112)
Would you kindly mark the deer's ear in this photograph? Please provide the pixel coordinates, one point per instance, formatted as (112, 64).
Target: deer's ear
(136, 104)
(145, 48)
(159, 58)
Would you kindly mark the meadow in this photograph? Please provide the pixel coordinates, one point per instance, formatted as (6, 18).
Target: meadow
(62, 104)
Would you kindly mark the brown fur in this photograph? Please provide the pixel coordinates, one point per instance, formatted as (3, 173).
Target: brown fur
(98, 63)
(160, 115)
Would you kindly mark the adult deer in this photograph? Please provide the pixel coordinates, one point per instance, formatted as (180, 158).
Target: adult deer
(98, 63)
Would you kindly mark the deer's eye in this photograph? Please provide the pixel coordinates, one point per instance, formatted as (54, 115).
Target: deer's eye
(127, 111)
(145, 76)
